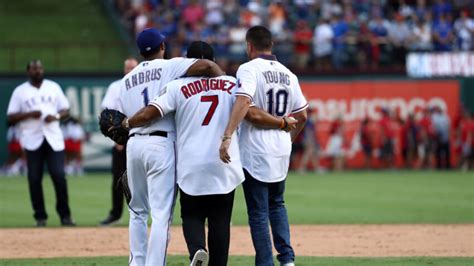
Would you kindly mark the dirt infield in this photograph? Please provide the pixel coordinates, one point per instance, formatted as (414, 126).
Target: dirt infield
(308, 240)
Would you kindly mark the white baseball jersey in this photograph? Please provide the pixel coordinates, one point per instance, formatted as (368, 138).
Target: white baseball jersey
(50, 100)
(272, 87)
(145, 82)
(150, 161)
(112, 97)
(202, 109)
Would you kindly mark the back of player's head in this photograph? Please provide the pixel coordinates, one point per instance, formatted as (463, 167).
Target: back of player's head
(200, 49)
(32, 63)
(149, 42)
(260, 37)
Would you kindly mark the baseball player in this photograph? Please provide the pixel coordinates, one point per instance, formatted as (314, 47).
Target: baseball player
(119, 160)
(35, 107)
(269, 85)
(150, 148)
(207, 185)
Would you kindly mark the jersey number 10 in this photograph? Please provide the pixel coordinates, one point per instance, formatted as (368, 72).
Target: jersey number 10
(277, 102)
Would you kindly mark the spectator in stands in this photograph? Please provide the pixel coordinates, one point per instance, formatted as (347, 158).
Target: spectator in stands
(339, 28)
(366, 142)
(193, 13)
(214, 15)
(387, 139)
(443, 34)
(464, 28)
(310, 143)
(421, 10)
(302, 43)
(276, 17)
(421, 37)
(322, 44)
(399, 35)
(368, 51)
(405, 10)
(379, 28)
(440, 9)
(442, 126)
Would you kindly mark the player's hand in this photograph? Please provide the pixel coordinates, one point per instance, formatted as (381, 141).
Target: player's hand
(290, 123)
(224, 150)
(34, 114)
(50, 118)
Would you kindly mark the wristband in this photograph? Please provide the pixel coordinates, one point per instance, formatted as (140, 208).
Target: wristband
(126, 125)
(57, 116)
(224, 138)
(283, 124)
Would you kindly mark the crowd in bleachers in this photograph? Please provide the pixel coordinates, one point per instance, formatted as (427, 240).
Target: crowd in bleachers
(324, 34)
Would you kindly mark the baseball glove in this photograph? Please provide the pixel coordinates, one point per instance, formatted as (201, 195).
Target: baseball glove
(110, 122)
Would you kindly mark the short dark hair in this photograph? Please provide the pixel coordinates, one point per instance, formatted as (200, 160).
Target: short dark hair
(200, 49)
(32, 62)
(260, 37)
(149, 54)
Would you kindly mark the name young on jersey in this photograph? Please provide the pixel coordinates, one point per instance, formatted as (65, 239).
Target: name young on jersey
(276, 77)
(204, 85)
(143, 77)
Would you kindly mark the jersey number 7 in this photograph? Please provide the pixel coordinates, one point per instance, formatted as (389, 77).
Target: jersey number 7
(214, 100)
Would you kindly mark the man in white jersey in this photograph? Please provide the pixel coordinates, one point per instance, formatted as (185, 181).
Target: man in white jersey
(269, 85)
(201, 107)
(150, 148)
(35, 107)
(119, 159)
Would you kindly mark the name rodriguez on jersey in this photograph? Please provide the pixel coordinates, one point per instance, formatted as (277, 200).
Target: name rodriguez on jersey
(204, 85)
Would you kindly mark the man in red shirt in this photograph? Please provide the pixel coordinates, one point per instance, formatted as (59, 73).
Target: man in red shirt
(425, 140)
(467, 141)
(387, 136)
(302, 43)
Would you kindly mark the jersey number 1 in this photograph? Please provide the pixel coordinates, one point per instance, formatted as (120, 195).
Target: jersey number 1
(145, 96)
(214, 100)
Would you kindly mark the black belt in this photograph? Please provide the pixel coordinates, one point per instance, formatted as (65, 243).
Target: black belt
(155, 133)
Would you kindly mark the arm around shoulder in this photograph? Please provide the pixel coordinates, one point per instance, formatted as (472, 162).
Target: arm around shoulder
(204, 67)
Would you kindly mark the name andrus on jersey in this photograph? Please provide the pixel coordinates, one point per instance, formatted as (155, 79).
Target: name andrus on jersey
(204, 85)
(142, 77)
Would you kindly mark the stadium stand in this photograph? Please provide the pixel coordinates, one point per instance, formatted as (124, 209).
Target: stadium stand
(362, 34)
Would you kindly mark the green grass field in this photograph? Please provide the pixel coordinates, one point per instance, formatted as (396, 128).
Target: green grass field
(245, 261)
(344, 198)
(51, 30)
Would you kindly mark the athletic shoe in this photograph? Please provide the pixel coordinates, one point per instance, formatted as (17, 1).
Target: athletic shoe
(200, 258)
(288, 264)
(110, 220)
(41, 223)
(68, 222)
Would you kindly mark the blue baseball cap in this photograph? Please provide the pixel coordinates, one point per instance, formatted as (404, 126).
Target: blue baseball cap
(149, 39)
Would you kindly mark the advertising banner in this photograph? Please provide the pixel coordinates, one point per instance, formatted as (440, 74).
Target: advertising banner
(352, 101)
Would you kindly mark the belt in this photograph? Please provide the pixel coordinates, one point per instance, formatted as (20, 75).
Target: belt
(155, 133)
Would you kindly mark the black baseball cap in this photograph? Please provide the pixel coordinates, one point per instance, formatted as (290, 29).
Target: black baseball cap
(200, 49)
(149, 39)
